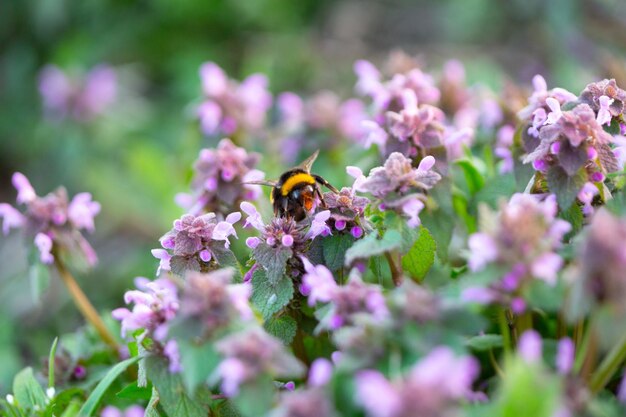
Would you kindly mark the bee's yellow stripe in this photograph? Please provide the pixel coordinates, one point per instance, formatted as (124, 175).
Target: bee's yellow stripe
(295, 180)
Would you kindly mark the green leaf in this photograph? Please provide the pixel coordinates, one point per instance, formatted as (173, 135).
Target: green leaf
(51, 361)
(485, 342)
(39, 275)
(421, 256)
(372, 246)
(565, 187)
(335, 248)
(270, 297)
(151, 408)
(283, 327)
(92, 401)
(226, 409)
(518, 392)
(394, 221)
(474, 179)
(273, 260)
(573, 216)
(198, 362)
(173, 397)
(180, 264)
(226, 258)
(27, 391)
(614, 127)
(134, 392)
(256, 397)
(497, 188)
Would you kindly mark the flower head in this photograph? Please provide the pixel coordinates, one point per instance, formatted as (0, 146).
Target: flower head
(52, 221)
(219, 181)
(522, 238)
(196, 242)
(435, 386)
(155, 306)
(230, 106)
(249, 354)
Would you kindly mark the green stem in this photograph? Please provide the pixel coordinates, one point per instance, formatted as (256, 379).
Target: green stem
(609, 366)
(524, 322)
(83, 304)
(505, 330)
(396, 275)
(582, 340)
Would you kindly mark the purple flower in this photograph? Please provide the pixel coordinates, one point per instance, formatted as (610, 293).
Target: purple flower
(82, 211)
(132, 411)
(319, 282)
(565, 356)
(12, 218)
(320, 372)
(80, 98)
(52, 221)
(546, 267)
(529, 346)
(483, 251)
(171, 352)
(434, 386)
(604, 113)
(195, 240)
(44, 244)
(155, 305)
(231, 106)
(254, 217)
(219, 181)
(318, 225)
(249, 354)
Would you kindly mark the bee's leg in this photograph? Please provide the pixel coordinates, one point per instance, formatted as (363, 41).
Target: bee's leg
(319, 195)
(325, 183)
(285, 207)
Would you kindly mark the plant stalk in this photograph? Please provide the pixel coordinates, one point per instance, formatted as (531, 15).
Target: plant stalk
(396, 274)
(84, 305)
(609, 366)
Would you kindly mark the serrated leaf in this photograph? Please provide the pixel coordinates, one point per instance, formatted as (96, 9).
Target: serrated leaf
(269, 297)
(485, 342)
(94, 398)
(284, 328)
(27, 391)
(614, 127)
(574, 216)
(607, 158)
(394, 221)
(421, 256)
(226, 258)
(565, 187)
(172, 394)
(334, 249)
(198, 362)
(273, 260)
(227, 409)
(372, 246)
(180, 264)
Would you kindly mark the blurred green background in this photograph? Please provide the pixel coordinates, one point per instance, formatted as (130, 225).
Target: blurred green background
(135, 158)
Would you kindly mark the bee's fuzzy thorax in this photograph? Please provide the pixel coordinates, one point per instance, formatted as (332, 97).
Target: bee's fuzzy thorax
(295, 179)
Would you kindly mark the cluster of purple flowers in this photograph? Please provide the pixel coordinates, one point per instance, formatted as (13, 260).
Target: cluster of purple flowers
(398, 186)
(566, 133)
(346, 301)
(522, 239)
(347, 211)
(53, 221)
(219, 181)
(229, 107)
(80, 99)
(213, 301)
(416, 116)
(323, 117)
(155, 306)
(435, 386)
(249, 354)
(194, 243)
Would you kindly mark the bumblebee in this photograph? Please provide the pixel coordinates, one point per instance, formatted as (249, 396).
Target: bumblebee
(293, 195)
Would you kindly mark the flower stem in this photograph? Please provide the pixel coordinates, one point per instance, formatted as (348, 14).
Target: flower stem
(505, 330)
(83, 304)
(609, 366)
(396, 275)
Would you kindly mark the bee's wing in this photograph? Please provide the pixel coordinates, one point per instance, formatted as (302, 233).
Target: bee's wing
(308, 163)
